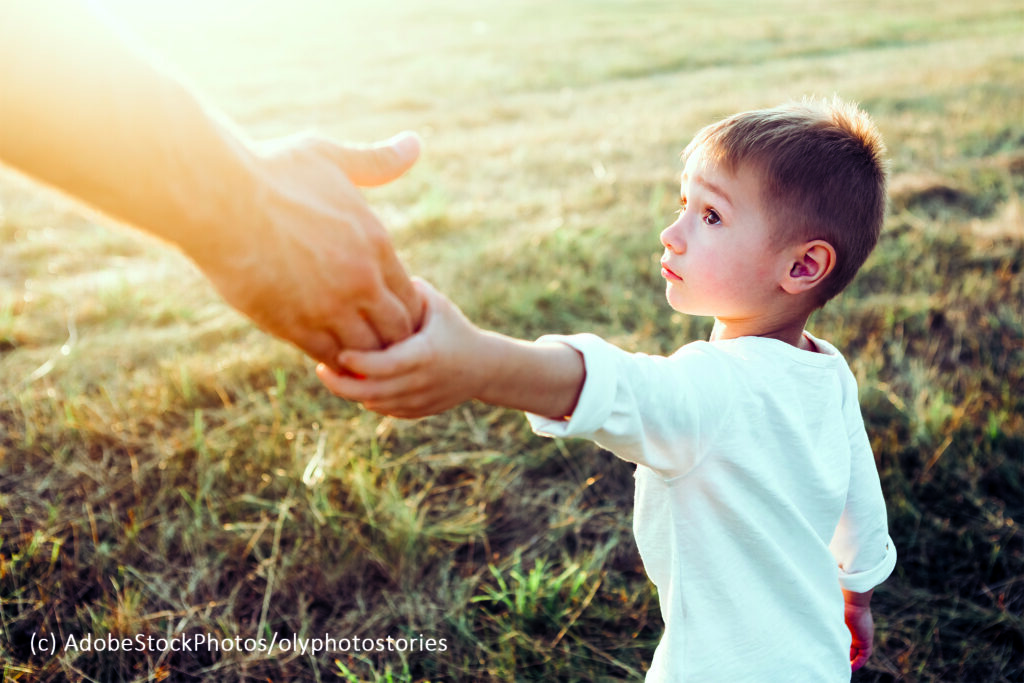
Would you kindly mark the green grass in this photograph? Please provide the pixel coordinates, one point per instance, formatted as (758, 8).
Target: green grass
(167, 470)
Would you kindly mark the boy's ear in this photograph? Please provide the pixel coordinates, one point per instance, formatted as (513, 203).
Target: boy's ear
(812, 263)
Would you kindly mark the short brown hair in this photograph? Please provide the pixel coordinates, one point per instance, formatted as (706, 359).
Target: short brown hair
(822, 164)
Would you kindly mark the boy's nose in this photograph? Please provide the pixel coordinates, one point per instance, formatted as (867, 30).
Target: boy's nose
(672, 237)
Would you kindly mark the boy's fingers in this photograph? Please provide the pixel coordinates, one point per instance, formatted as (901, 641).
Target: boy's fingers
(349, 387)
(406, 405)
(339, 385)
(400, 359)
(859, 657)
(370, 391)
(362, 363)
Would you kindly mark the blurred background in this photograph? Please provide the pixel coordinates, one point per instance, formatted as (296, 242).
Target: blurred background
(167, 469)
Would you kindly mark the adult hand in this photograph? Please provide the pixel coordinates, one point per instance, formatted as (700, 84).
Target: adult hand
(278, 228)
(320, 270)
(443, 365)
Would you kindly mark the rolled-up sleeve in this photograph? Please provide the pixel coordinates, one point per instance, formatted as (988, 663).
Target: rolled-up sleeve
(863, 580)
(597, 398)
(863, 549)
(645, 409)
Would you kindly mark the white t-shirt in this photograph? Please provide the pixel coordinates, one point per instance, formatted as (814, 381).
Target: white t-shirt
(757, 498)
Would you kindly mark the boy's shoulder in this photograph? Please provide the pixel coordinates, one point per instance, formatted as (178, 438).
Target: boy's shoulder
(752, 349)
(730, 362)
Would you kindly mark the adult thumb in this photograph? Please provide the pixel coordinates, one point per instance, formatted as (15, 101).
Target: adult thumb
(380, 163)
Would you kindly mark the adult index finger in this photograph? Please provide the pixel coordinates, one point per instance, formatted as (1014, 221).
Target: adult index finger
(398, 285)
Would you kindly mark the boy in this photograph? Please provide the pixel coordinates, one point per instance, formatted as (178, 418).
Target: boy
(758, 511)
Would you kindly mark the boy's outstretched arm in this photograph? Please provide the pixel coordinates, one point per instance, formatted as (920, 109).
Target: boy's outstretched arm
(450, 361)
(861, 625)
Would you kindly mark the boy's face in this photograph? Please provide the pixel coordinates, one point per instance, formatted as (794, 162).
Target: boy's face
(720, 256)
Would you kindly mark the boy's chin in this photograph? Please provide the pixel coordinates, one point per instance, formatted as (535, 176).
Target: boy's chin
(685, 307)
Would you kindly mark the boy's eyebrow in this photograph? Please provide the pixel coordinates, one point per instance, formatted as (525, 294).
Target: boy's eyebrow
(710, 186)
(714, 188)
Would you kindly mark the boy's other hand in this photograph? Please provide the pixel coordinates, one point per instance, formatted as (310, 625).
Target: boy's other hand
(862, 628)
(439, 367)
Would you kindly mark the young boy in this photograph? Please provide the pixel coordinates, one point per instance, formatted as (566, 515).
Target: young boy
(758, 510)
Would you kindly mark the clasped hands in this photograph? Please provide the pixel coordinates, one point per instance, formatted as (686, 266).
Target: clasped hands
(441, 366)
(318, 268)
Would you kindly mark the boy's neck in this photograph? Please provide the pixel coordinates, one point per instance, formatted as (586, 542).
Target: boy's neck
(790, 331)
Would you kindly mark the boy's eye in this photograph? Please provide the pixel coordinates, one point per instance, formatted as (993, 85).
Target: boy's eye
(711, 217)
(682, 204)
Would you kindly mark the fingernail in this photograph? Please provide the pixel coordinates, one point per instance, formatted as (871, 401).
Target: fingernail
(344, 368)
(406, 145)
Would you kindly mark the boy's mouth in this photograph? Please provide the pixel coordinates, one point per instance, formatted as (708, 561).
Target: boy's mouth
(668, 273)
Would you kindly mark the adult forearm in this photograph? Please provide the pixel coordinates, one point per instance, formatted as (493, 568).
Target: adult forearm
(541, 378)
(278, 228)
(85, 111)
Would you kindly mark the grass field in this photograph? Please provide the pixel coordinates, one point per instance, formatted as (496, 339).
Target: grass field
(167, 471)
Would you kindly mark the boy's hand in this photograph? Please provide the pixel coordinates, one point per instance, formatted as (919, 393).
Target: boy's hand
(862, 627)
(440, 366)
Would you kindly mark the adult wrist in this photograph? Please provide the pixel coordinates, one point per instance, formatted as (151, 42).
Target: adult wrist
(225, 207)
